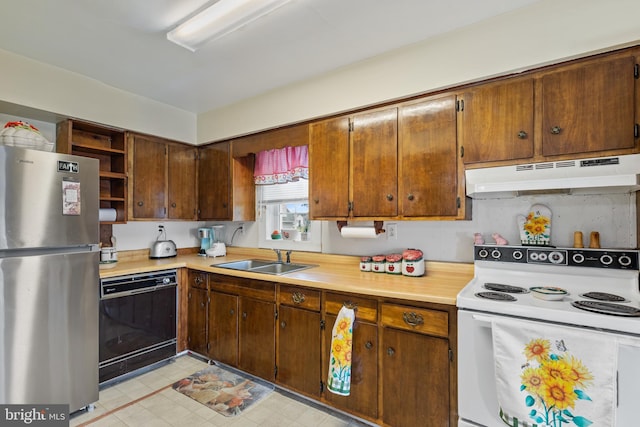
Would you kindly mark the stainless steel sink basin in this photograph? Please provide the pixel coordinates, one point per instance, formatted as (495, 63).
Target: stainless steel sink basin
(262, 266)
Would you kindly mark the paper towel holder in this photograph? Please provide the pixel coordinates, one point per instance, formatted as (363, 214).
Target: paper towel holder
(376, 224)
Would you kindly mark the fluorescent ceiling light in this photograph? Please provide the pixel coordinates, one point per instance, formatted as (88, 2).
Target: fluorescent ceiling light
(219, 20)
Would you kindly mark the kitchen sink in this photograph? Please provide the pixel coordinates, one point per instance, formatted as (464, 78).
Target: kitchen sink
(262, 266)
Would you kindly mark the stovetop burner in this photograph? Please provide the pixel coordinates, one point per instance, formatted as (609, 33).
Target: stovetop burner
(497, 296)
(607, 308)
(499, 287)
(603, 296)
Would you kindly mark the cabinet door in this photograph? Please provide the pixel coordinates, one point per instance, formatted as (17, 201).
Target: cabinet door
(197, 320)
(589, 108)
(149, 178)
(223, 328)
(374, 164)
(214, 182)
(329, 168)
(363, 399)
(182, 182)
(428, 167)
(299, 350)
(497, 121)
(257, 338)
(415, 379)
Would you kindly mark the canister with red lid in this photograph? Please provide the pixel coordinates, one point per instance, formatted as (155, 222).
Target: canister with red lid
(412, 262)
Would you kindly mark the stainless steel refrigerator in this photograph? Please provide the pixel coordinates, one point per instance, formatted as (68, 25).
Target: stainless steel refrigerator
(49, 278)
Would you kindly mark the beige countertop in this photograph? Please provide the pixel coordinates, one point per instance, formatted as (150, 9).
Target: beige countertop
(440, 284)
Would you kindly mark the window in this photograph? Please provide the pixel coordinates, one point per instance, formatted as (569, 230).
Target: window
(284, 208)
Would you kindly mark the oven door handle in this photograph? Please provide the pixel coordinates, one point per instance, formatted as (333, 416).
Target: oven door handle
(483, 320)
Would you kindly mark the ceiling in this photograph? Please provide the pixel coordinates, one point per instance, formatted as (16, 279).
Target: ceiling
(123, 44)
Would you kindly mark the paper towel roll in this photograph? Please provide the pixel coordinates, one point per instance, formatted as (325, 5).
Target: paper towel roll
(359, 232)
(106, 215)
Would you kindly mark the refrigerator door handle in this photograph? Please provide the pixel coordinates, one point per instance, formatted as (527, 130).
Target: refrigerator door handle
(15, 253)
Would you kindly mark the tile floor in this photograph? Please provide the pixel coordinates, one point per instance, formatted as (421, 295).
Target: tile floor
(147, 400)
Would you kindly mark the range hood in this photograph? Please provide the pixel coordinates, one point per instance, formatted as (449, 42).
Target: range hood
(603, 175)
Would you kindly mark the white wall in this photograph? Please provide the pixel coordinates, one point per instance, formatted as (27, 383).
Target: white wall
(544, 32)
(46, 88)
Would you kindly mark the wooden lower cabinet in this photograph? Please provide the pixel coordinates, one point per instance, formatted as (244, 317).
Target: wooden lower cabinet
(415, 379)
(403, 369)
(299, 338)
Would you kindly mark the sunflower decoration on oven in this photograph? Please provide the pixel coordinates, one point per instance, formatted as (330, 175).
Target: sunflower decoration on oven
(535, 227)
(554, 381)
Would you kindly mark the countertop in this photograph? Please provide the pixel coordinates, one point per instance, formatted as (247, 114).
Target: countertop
(440, 284)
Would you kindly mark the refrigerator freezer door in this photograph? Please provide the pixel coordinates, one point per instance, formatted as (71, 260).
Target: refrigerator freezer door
(48, 338)
(47, 199)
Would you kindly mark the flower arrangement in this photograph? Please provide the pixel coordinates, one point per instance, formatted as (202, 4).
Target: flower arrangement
(554, 382)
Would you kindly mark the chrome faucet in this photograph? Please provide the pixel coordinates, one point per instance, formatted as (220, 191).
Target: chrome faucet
(289, 256)
(277, 251)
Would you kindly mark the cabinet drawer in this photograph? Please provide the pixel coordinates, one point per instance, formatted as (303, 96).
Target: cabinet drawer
(300, 297)
(243, 287)
(198, 279)
(366, 309)
(432, 322)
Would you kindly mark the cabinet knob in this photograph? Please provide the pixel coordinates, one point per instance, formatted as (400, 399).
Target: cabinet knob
(390, 351)
(556, 130)
(244, 315)
(232, 312)
(283, 324)
(173, 205)
(412, 319)
(316, 200)
(368, 345)
(224, 205)
(522, 135)
(410, 197)
(389, 197)
(140, 203)
(198, 280)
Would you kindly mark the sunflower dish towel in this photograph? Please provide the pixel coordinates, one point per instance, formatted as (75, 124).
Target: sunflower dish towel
(339, 381)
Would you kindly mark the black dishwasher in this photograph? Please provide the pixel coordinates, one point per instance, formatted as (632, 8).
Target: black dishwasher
(137, 323)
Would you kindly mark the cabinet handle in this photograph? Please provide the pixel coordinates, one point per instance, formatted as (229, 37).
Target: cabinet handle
(412, 319)
(556, 130)
(202, 304)
(232, 312)
(389, 197)
(140, 203)
(350, 304)
(316, 200)
(522, 134)
(224, 205)
(390, 351)
(244, 314)
(298, 297)
(368, 345)
(283, 324)
(173, 205)
(198, 280)
(410, 197)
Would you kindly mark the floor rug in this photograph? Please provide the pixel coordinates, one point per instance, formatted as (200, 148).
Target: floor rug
(226, 392)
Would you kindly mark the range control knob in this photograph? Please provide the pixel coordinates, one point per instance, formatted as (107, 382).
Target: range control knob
(578, 258)
(496, 254)
(517, 255)
(606, 259)
(166, 280)
(556, 257)
(624, 260)
(483, 253)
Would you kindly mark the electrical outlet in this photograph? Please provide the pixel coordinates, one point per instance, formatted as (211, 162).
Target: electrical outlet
(392, 231)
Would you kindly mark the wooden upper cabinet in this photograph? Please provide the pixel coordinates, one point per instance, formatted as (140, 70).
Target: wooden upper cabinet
(214, 178)
(374, 163)
(496, 121)
(163, 179)
(589, 107)
(181, 181)
(329, 168)
(148, 177)
(428, 170)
